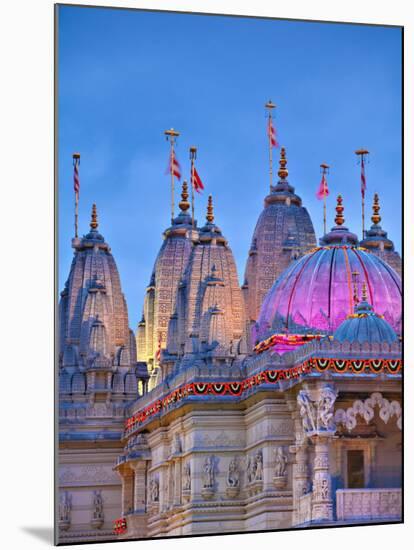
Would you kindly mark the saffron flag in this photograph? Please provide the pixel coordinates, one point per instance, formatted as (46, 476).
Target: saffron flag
(271, 133)
(174, 167)
(197, 183)
(76, 182)
(323, 190)
(363, 181)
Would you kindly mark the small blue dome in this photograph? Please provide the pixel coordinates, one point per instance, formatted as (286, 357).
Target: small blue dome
(365, 326)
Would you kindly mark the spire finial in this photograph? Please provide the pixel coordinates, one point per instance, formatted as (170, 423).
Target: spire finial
(94, 218)
(376, 218)
(355, 275)
(339, 218)
(184, 204)
(364, 291)
(210, 210)
(283, 171)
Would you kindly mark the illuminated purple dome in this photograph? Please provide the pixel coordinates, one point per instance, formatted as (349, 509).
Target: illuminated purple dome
(315, 294)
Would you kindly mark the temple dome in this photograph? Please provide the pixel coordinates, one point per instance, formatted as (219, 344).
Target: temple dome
(161, 293)
(315, 294)
(209, 316)
(364, 325)
(283, 232)
(93, 316)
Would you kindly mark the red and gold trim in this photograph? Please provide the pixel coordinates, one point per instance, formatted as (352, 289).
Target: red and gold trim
(271, 376)
(120, 526)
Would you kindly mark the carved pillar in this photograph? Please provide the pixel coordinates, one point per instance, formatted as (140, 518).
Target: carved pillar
(178, 482)
(300, 470)
(322, 506)
(140, 486)
(316, 408)
(163, 487)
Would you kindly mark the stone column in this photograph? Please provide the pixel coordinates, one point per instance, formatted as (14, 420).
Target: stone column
(178, 482)
(140, 486)
(322, 505)
(300, 475)
(127, 476)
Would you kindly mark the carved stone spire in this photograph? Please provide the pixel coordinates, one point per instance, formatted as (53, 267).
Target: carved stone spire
(94, 218)
(376, 218)
(283, 171)
(184, 204)
(210, 210)
(339, 218)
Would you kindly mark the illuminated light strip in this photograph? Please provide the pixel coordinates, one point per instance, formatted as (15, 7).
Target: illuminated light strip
(270, 376)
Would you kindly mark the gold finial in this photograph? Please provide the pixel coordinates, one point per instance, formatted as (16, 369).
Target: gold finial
(184, 204)
(94, 218)
(355, 275)
(283, 171)
(210, 211)
(376, 218)
(339, 218)
(364, 291)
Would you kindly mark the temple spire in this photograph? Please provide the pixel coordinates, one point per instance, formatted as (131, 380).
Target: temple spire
(339, 218)
(283, 171)
(184, 204)
(94, 218)
(376, 218)
(210, 210)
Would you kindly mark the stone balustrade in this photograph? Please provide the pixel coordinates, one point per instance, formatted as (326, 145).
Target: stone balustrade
(368, 504)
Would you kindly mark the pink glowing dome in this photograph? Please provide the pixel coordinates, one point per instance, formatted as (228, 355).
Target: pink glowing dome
(315, 294)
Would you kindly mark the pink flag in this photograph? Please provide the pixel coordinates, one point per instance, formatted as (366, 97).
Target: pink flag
(271, 133)
(197, 183)
(174, 167)
(76, 182)
(323, 190)
(363, 181)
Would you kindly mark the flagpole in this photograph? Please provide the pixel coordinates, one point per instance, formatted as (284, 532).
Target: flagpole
(361, 153)
(325, 169)
(171, 136)
(76, 163)
(193, 156)
(270, 106)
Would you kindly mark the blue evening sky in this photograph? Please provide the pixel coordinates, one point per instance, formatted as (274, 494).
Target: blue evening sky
(126, 76)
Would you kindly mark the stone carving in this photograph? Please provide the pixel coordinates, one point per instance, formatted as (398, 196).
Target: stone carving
(65, 509)
(366, 408)
(90, 474)
(154, 489)
(97, 510)
(208, 477)
(317, 413)
(233, 479)
(258, 466)
(187, 477)
(176, 446)
(250, 469)
(233, 476)
(208, 473)
(384, 504)
(280, 471)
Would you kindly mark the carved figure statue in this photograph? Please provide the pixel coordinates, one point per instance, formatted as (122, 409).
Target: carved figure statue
(326, 408)
(154, 489)
(233, 476)
(176, 446)
(307, 411)
(280, 463)
(258, 466)
(65, 507)
(208, 475)
(249, 469)
(97, 505)
(187, 477)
